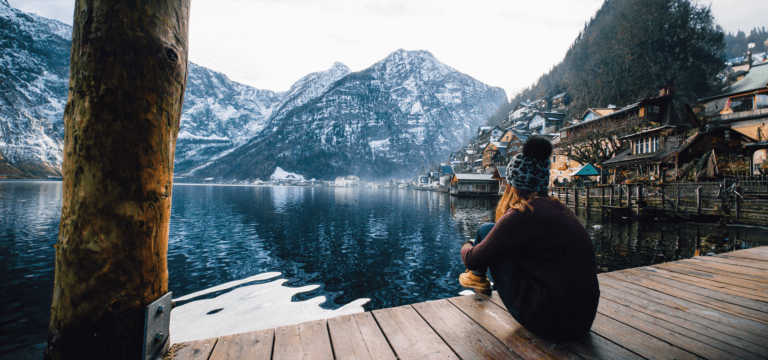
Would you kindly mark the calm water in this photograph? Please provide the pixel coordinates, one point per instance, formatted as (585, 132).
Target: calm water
(331, 246)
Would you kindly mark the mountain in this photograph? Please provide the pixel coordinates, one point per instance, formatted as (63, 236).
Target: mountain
(405, 111)
(218, 115)
(34, 77)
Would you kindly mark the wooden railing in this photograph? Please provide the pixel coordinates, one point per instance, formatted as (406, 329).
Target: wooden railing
(732, 199)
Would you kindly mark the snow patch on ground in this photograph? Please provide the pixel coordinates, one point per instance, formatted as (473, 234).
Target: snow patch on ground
(379, 145)
(250, 308)
(281, 174)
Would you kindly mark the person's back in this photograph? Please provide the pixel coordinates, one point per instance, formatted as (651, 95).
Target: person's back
(540, 256)
(556, 283)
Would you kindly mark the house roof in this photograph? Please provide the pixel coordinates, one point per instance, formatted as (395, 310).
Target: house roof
(598, 112)
(623, 110)
(641, 133)
(474, 177)
(558, 96)
(500, 144)
(756, 79)
(446, 169)
(588, 170)
(499, 173)
(628, 157)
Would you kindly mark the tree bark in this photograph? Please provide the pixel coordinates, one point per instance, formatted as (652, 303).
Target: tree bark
(127, 79)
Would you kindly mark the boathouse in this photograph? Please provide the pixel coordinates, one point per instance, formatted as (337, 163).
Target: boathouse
(474, 184)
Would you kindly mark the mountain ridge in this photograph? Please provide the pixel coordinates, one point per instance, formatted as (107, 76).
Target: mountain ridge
(418, 107)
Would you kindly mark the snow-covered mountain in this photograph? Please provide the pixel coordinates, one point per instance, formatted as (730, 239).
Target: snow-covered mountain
(405, 111)
(34, 76)
(218, 115)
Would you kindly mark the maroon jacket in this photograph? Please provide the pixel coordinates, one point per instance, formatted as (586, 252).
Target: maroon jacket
(554, 283)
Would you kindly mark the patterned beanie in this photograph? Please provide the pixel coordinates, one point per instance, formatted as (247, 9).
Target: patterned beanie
(530, 170)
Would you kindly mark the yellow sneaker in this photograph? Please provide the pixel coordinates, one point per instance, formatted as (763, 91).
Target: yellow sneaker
(479, 284)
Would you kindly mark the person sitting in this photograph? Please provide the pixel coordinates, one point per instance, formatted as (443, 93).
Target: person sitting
(541, 257)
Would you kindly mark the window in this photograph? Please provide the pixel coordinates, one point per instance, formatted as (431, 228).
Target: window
(645, 145)
(761, 101)
(742, 104)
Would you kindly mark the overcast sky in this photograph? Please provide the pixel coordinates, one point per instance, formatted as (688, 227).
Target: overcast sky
(270, 44)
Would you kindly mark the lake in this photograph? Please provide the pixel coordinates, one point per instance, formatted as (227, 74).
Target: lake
(249, 257)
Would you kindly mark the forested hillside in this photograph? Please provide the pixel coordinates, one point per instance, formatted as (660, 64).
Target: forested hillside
(736, 45)
(624, 54)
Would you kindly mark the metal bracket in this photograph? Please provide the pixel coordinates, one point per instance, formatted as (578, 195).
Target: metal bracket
(157, 322)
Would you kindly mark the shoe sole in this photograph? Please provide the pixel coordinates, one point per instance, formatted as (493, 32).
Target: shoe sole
(482, 290)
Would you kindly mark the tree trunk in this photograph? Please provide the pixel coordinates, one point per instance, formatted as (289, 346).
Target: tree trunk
(127, 79)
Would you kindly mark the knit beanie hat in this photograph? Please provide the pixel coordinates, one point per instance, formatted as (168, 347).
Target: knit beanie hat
(530, 169)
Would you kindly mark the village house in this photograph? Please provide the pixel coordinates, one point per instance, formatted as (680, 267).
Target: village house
(546, 122)
(473, 184)
(558, 101)
(520, 110)
(561, 167)
(743, 107)
(593, 113)
(495, 154)
(648, 155)
(446, 173)
(644, 114)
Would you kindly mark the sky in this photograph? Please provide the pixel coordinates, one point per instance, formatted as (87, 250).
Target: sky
(270, 44)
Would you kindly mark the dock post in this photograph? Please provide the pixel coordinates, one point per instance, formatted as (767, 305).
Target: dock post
(629, 200)
(127, 76)
(736, 204)
(661, 187)
(677, 198)
(602, 196)
(587, 206)
(576, 199)
(610, 201)
(698, 200)
(567, 191)
(638, 197)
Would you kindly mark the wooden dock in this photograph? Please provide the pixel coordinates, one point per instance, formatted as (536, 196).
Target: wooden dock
(712, 307)
(743, 201)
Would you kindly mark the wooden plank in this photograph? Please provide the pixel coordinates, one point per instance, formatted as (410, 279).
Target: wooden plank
(751, 329)
(744, 255)
(753, 264)
(636, 340)
(346, 339)
(650, 274)
(585, 347)
(287, 343)
(593, 346)
(194, 350)
(377, 344)
(712, 285)
(702, 326)
(503, 326)
(714, 270)
(694, 298)
(676, 335)
(410, 336)
(716, 277)
(308, 340)
(250, 345)
(730, 268)
(315, 340)
(467, 339)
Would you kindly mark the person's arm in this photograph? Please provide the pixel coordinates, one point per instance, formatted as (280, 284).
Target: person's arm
(509, 231)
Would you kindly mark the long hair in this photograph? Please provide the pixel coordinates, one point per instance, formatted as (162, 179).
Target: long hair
(518, 199)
